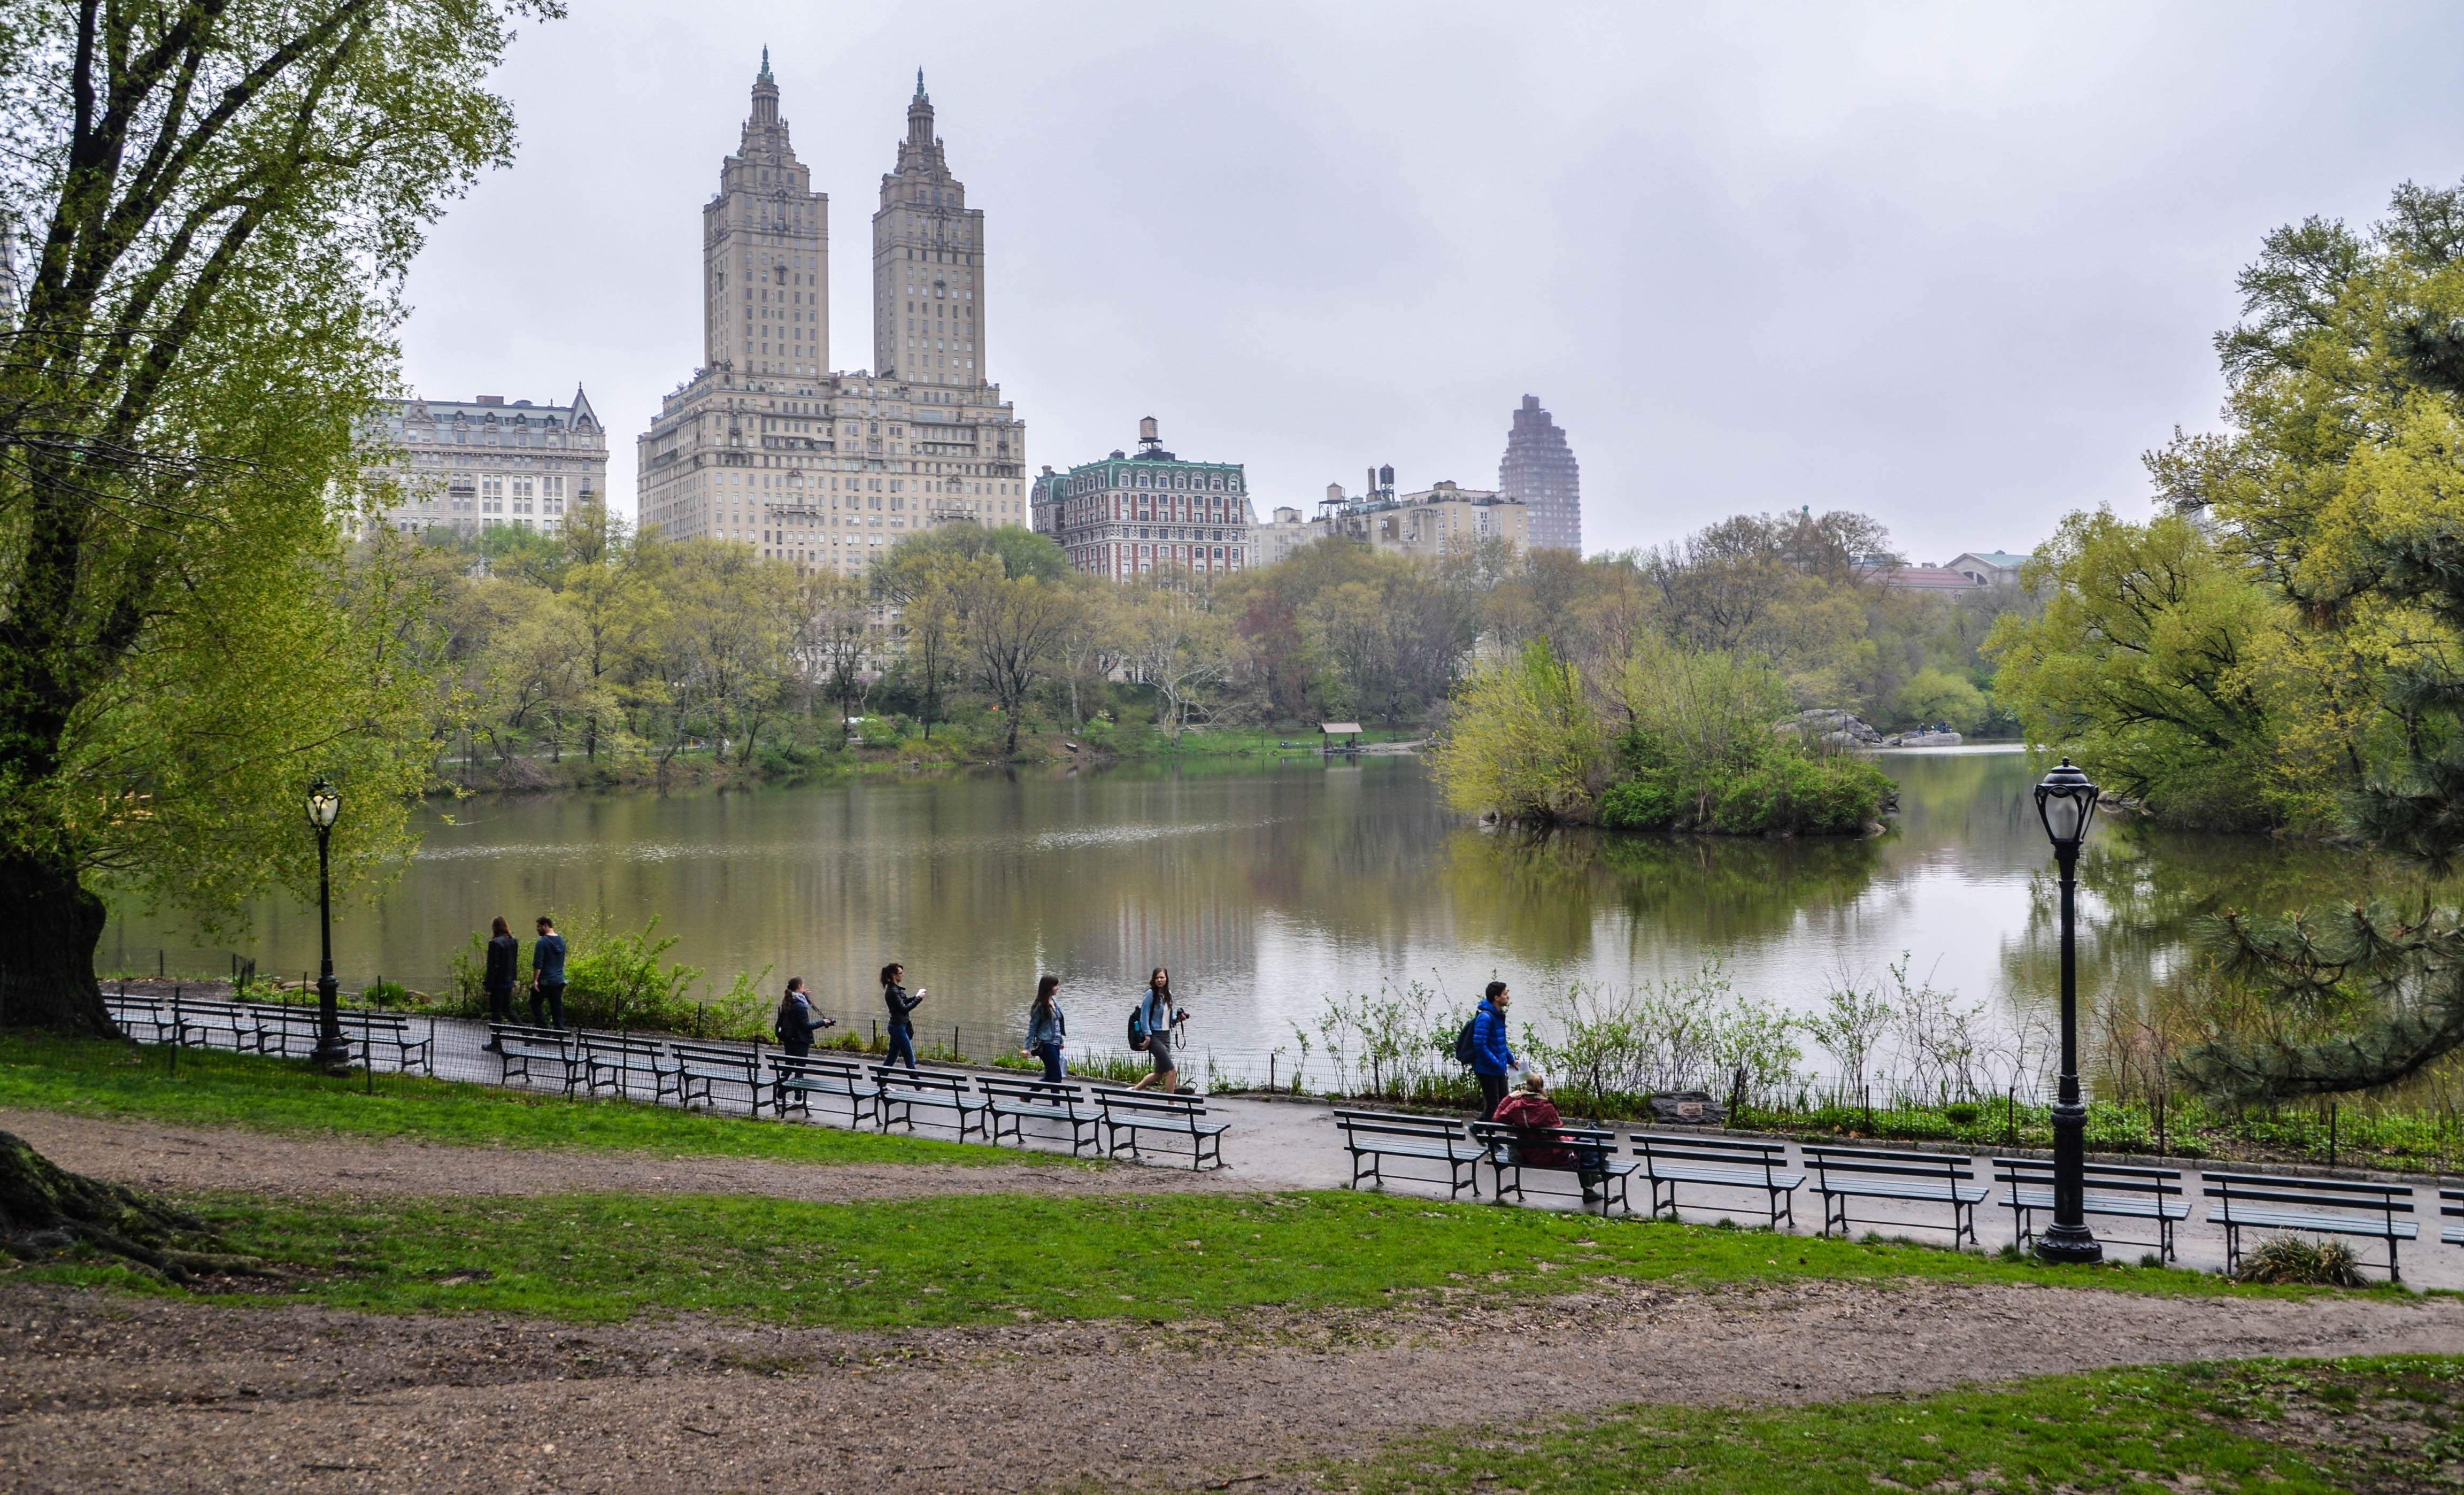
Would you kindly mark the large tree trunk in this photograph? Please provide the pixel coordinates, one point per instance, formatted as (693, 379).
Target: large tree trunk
(44, 1208)
(47, 945)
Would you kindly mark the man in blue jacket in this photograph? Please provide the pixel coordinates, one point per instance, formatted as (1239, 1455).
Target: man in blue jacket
(547, 974)
(1492, 1060)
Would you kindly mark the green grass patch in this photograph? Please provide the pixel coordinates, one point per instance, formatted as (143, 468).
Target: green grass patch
(978, 1259)
(2284, 1427)
(215, 1089)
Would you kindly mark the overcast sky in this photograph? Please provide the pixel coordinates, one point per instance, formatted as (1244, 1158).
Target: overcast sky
(1955, 267)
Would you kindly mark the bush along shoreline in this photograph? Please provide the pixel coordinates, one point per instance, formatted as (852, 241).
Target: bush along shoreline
(1665, 738)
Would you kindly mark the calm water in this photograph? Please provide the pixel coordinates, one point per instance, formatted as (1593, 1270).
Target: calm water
(1266, 889)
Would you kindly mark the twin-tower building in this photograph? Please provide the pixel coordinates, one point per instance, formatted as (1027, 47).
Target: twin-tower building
(764, 444)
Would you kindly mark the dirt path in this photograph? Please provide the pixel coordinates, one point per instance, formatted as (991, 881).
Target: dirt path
(184, 1159)
(117, 1392)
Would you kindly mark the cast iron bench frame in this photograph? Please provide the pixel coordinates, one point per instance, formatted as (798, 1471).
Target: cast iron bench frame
(709, 1066)
(387, 1027)
(519, 1046)
(1044, 1100)
(904, 1089)
(805, 1077)
(128, 1012)
(2451, 1207)
(1876, 1174)
(2121, 1191)
(1442, 1139)
(1499, 1144)
(1721, 1162)
(2320, 1206)
(627, 1056)
(1141, 1110)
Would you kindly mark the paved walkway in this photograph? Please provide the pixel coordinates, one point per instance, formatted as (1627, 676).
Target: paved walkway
(1295, 1144)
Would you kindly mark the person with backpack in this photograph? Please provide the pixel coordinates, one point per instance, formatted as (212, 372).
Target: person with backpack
(902, 1008)
(1154, 1020)
(547, 976)
(1491, 1060)
(1046, 1029)
(797, 1022)
(505, 954)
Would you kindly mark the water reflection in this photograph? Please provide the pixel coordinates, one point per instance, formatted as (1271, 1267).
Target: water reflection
(1265, 888)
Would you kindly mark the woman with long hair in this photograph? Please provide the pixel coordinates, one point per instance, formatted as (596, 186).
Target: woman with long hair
(1155, 1010)
(1046, 1028)
(902, 1009)
(504, 951)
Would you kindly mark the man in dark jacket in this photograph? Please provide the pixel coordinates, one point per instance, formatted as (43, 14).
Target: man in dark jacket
(1492, 1060)
(547, 974)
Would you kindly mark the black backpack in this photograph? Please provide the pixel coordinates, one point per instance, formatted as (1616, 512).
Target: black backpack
(1138, 1026)
(788, 1023)
(1463, 1049)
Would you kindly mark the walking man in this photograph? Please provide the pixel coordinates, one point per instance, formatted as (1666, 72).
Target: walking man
(1492, 1060)
(547, 976)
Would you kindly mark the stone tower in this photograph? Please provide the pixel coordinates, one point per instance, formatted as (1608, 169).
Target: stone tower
(927, 265)
(766, 253)
(1539, 471)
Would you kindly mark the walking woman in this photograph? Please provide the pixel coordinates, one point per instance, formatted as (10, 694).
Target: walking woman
(1157, 1012)
(504, 952)
(1046, 1029)
(902, 1009)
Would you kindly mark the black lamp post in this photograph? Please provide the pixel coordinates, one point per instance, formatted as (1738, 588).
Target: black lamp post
(333, 1055)
(2066, 802)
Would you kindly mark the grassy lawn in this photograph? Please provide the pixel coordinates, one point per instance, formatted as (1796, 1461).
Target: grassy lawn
(986, 1259)
(225, 1089)
(2285, 1427)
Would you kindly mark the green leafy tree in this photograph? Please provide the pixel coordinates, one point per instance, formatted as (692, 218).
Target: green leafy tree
(220, 199)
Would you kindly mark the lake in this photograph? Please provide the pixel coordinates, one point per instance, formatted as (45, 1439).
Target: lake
(1267, 886)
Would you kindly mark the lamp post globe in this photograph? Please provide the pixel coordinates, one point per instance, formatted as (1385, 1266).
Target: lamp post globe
(2066, 803)
(333, 1055)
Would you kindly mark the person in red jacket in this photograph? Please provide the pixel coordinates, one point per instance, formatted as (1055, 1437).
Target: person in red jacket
(1530, 1109)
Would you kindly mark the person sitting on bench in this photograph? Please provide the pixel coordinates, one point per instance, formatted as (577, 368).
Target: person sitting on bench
(1531, 1110)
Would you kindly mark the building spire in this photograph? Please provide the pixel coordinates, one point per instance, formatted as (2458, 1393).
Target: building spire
(765, 65)
(922, 96)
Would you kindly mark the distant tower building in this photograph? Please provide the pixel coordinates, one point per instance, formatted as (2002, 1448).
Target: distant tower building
(1539, 470)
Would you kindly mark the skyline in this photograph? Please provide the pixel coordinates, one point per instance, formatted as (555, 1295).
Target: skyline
(1957, 272)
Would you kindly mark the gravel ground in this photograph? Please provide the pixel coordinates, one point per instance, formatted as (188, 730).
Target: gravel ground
(186, 1159)
(103, 1392)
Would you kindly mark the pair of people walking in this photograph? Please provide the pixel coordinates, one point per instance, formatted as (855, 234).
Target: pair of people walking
(1152, 1026)
(547, 974)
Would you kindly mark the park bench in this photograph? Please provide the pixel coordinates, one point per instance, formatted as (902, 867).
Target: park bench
(904, 1090)
(285, 1030)
(797, 1081)
(525, 1054)
(1138, 1112)
(392, 1030)
(1017, 1102)
(701, 1068)
(2114, 1189)
(1720, 1162)
(1842, 1174)
(2320, 1206)
(131, 1013)
(1508, 1150)
(234, 1024)
(615, 1060)
(1373, 1136)
(2451, 1207)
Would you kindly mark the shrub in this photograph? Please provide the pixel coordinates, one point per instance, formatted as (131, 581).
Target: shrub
(2287, 1260)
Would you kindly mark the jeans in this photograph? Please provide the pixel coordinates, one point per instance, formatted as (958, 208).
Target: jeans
(550, 997)
(798, 1047)
(500, 1005)
(902, 1043)
(1051, 1054)
(1492, 1093)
